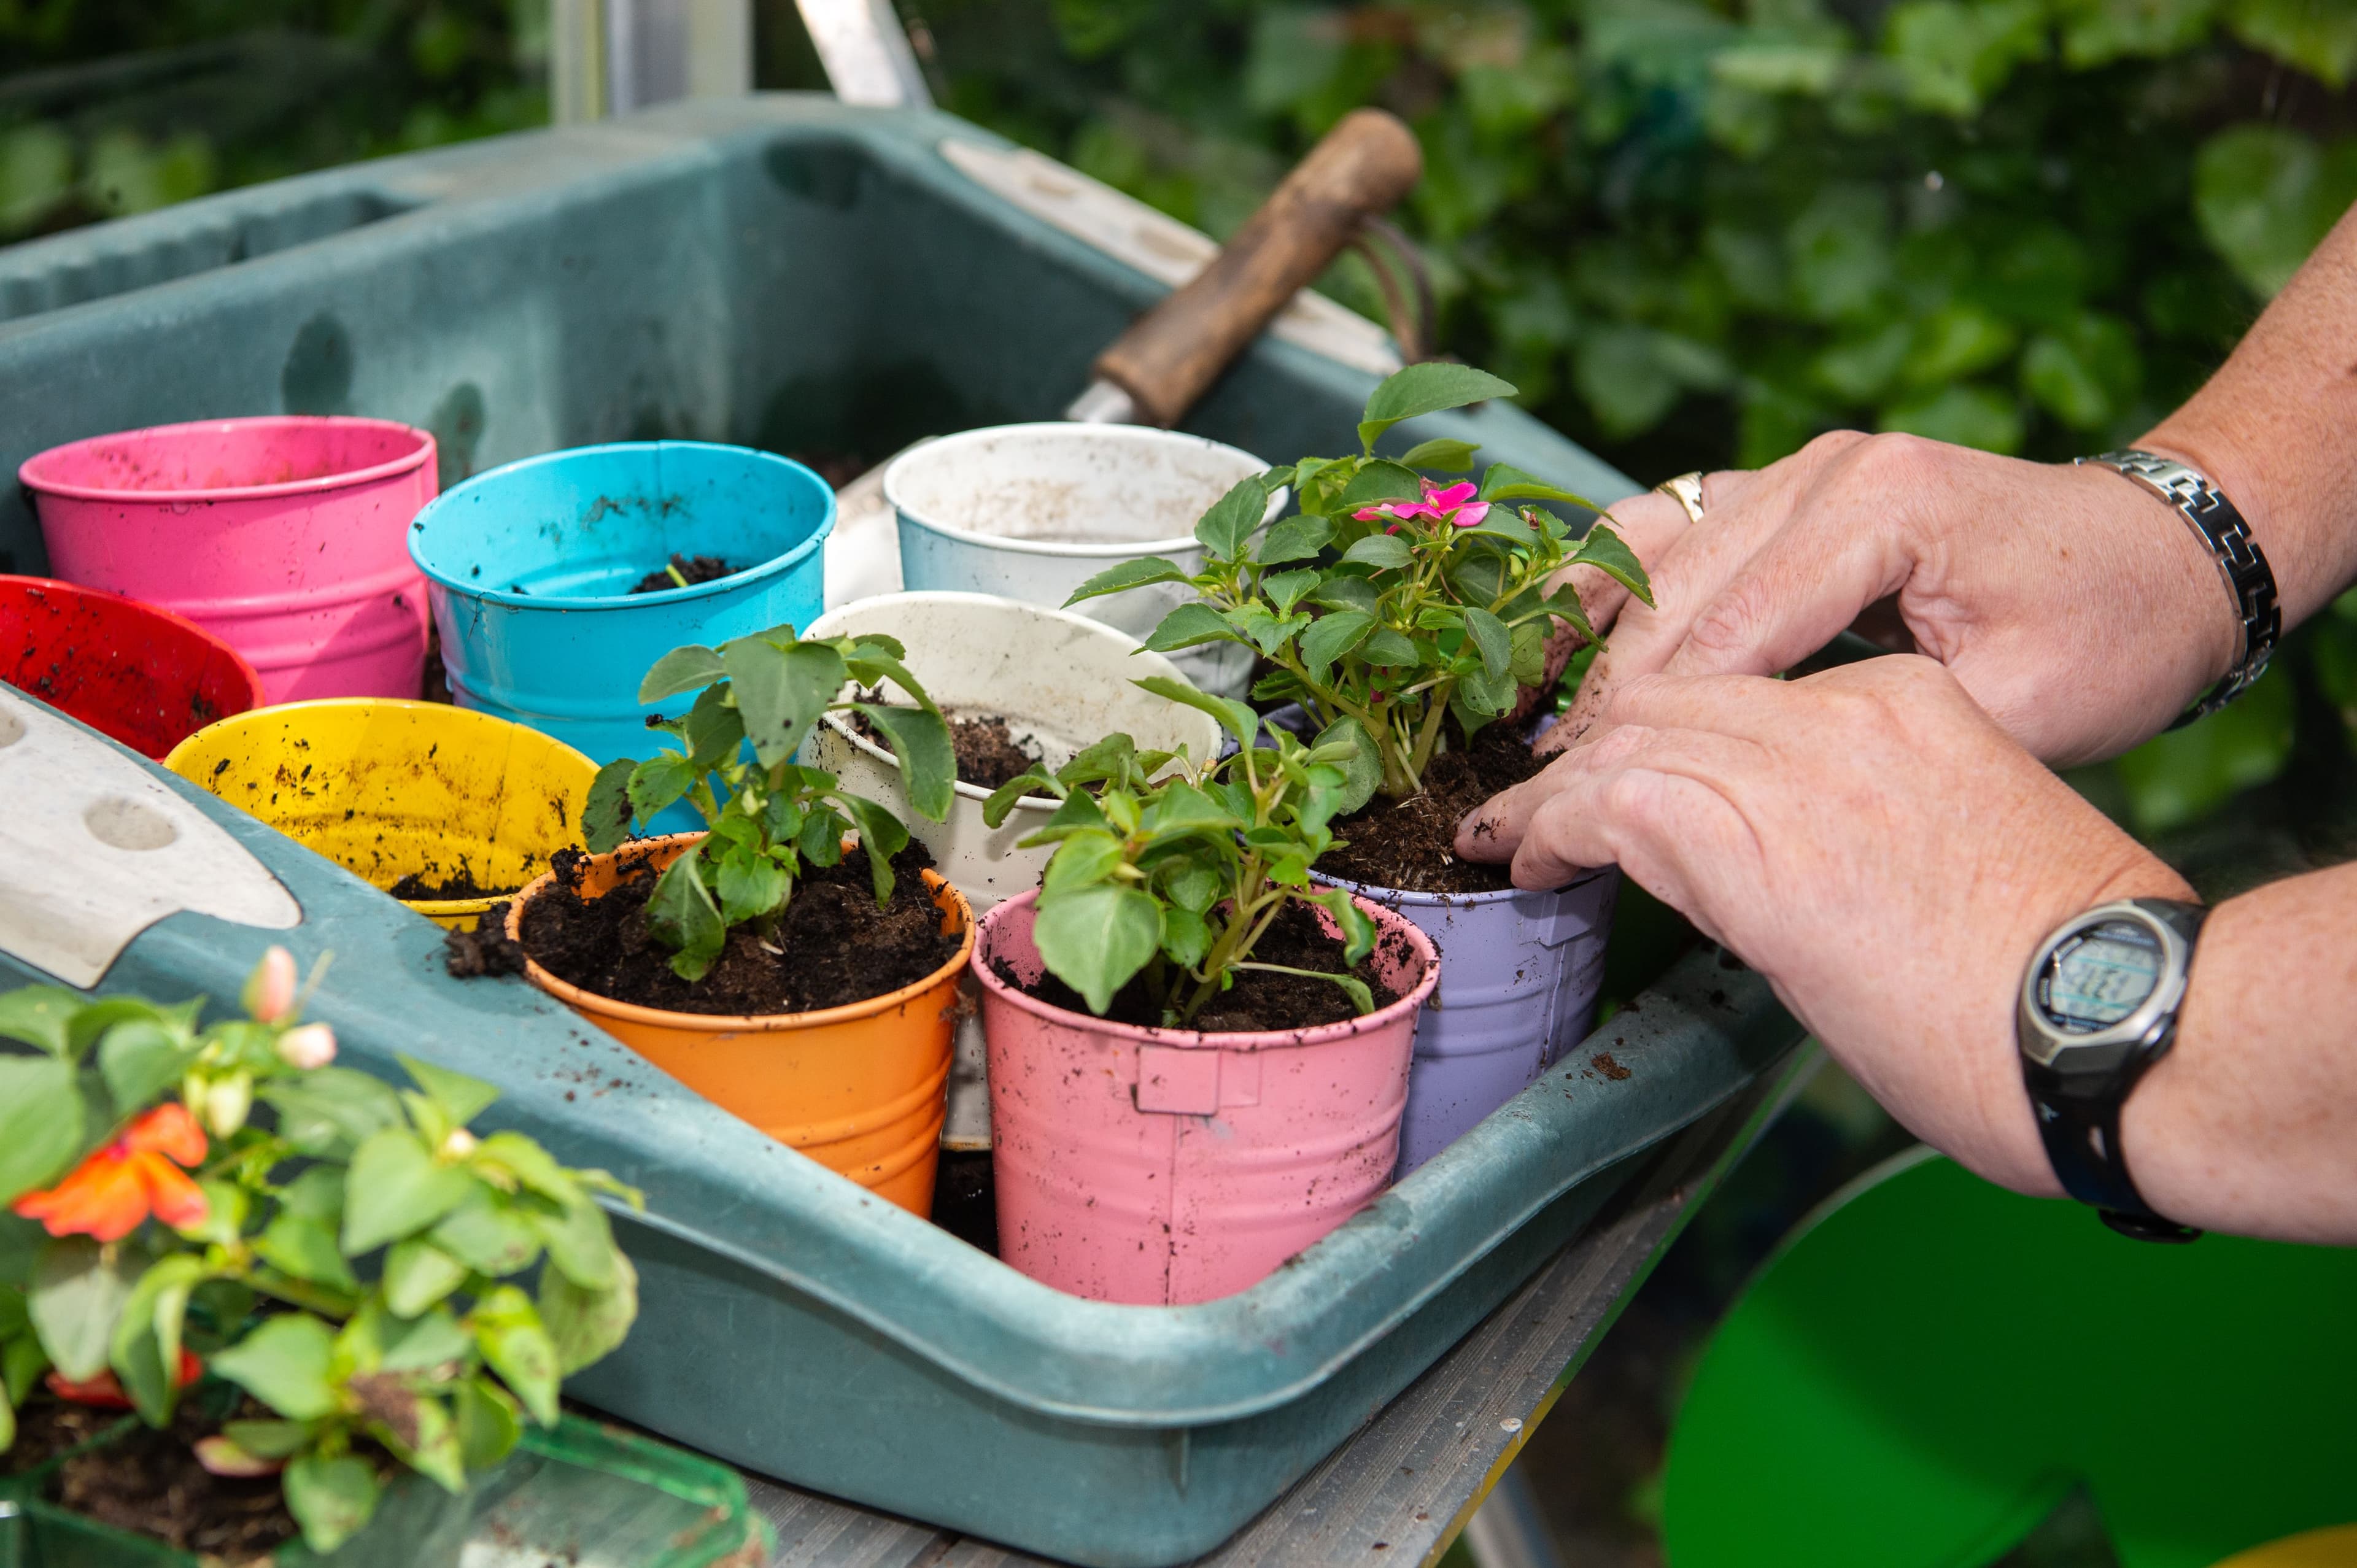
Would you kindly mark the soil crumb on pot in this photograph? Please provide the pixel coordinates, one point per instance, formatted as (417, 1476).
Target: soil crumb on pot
(694, 568)
(1411, 845)
(47, 1427)
(151, 1483)
(487, 949)
(1258, 1001)
(988, 755)
(460, 883)
(833, 947)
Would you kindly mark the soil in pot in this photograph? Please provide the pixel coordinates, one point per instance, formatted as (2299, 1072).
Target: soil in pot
(988, 754)
(1258, 1001)
(486, 950)
(150, 1482)
(833, 947)
(1411, 845)
(47, 1427)
(691, 570)
(964, 1200)
(419, 887)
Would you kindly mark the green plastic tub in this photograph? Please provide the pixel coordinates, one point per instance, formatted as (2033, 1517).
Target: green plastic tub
(787, 273)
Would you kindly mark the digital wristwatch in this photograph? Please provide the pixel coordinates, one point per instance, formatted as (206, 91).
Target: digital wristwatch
(2099, 1006)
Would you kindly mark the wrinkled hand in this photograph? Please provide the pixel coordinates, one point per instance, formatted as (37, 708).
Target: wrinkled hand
(1870, 841)
(2075, 607)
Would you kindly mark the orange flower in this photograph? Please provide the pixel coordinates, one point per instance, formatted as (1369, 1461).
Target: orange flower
(117, 1187)
(105, 1391)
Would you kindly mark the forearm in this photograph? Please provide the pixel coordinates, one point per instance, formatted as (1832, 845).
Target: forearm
(2277, 427)
(2249, 1124)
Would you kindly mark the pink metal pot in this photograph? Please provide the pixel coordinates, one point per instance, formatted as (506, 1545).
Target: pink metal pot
(285, 536)
(1162, 1166)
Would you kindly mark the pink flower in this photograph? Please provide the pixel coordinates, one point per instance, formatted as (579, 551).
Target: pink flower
(1455, 505)
(270, 989)
(312, 1045)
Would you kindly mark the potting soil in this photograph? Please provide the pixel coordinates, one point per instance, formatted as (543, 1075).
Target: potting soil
(1411, 845)
(694, 568)
(46, 1427)
(460, 883)
(832, 946)
(150, 1482)
(988, 755)
(1257, 1001)
(486, 950)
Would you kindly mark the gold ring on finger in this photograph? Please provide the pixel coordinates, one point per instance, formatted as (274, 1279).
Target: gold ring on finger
(1687, 491)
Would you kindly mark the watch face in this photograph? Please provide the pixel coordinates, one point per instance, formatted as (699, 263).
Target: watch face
(2099, 976)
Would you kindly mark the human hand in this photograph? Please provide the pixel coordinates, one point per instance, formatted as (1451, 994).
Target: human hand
(2072, 604)
(1870, 841)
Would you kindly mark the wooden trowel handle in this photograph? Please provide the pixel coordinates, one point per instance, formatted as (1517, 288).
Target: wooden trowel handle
(1172, 354)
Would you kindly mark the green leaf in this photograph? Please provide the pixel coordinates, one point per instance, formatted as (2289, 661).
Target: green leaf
(1192, 886)
(751, 885)
(1331, 636)
(2088, 374)
(2266, 194)
(305, 1248)
(285, 1364)
(715, 729)
(1344, 591)
(1425, 389)
(1378, 481)
(920, 737)
(397, 1188)
(331, 1111)
(1388, 647)
(688, 669)
(657, 782)
(1504, 482)
(422, 1345)
(1358, 932)
(1186, 937)
(882, 835)
(508, 1330)
(1002, 800)
(1605, 550)
(1189, 624)
(1224, 530)
(1096, 938)
(2180, 776)
(1488, 634)
(1237, 718)
(1127, 575)
(1383, 552)
(462, 1098)
(40, 1016)
(268, 1439)
(42, 1122)
(607, 815)
(580, 1242)
(1181, 809)
(331, 1499)
(1295, 539)
(78, 1293)
(1953, 57)
(583, 1323)
(821, 840)
(1443, 453)
(1082, 860)
(1965, 415)
(781, 691)
(1285, 589)
(1363, 774)
(683, 917)
(485, 1421)
(417, 1274)
(146, 1346)
(2319, 37)
(488, 1235)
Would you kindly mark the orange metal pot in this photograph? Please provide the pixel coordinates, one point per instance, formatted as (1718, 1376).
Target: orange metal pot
(860, 1089)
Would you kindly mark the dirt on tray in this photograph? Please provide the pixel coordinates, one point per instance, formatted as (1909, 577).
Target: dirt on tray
(460, 883)
(694, 568)
(151, 1483)
(988, 755)
(832, 947)
(1258, 1001)
(47, 1427)
(1411, 845)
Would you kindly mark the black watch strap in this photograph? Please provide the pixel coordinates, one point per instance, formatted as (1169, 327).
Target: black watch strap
(2079, 1114)
(2244, 565)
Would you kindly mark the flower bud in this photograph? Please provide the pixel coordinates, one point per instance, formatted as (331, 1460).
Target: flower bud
(221, 1456)
(269, 992)
(458, 1144)
(308, 1045)
(227, 1102)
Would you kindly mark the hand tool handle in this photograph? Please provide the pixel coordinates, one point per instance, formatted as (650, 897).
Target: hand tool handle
(1173, 353)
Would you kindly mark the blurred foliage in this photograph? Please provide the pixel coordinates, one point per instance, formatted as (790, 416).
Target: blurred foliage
(111, 107)
(1697, 232)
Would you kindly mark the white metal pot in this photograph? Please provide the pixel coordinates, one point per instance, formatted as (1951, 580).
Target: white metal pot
(1032, 511)
(1061, 682)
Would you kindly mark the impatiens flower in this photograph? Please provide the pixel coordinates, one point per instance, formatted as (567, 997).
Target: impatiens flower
(219, 1455)
(1455, 505)
(312, 1045)
(117, 1187)
(105, 1391)
(269, 992)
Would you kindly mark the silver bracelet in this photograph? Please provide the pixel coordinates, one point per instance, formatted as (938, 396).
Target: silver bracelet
(2241, 562)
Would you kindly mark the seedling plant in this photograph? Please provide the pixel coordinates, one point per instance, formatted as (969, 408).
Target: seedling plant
(348, 1259)
(1389, 603)
(1175, 868)
(767, 816)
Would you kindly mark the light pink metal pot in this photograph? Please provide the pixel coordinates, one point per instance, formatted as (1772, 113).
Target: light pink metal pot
(285, 536)
(1162, 1166)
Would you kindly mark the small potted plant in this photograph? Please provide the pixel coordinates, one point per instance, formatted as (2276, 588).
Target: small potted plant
(798, 961)
(1197, 1055)
(314, 1312)
(1405, 616)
